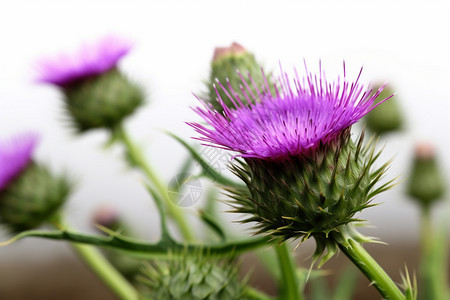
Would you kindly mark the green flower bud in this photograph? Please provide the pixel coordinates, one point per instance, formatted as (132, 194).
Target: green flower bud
(387, 117)
(426, 182)
(225, 62)
(102, 101)
(32, 198)
(190, 278)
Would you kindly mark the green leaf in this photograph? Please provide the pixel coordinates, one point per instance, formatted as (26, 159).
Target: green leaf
(346, 285)
(213, 224)
(207, 170)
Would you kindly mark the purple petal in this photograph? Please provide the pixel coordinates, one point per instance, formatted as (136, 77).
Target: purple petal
(89, 60)
(15, 154)
(304, 113)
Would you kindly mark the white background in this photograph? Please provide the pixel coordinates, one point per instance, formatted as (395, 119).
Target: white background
(404, 42)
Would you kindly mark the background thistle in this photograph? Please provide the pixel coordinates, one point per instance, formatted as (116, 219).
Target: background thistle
(426, 183)
(102, 101)
(32, 198)
(96, 93)
(388, 117)
(29, 193)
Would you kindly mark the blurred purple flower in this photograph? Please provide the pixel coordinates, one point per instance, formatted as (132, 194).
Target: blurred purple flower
(90, 60)
(302, 115)
(15, 155)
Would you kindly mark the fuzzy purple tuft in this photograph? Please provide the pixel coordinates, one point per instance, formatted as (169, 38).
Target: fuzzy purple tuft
(15, 155)
(90, 60)
(298, 117)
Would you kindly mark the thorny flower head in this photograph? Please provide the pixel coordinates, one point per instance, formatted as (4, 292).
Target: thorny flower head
(304, 175)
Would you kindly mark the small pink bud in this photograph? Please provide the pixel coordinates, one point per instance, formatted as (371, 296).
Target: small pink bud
(234, 49)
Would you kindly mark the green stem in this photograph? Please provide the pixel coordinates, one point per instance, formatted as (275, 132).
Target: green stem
(426, 241)
(431, 271)
(137, 160)
(254, 294)
(106, 272)
(369, 267)
(289, 286)
(100, 266)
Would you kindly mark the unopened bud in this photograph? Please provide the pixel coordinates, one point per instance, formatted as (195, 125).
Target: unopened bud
(426, 182)
(226, 65)
(107, 216)
(387, 117)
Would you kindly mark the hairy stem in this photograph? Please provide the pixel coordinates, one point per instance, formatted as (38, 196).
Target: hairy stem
(372, 270)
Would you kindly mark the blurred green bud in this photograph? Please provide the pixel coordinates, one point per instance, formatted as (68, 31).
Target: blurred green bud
(192, 278)
(387, 117)
(32, 198)
(102, 101)
(426, 183)
(226, 65)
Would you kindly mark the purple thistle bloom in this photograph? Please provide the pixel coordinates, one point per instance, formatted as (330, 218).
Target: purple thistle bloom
(90, 60)
(302, 115)
(15, 155)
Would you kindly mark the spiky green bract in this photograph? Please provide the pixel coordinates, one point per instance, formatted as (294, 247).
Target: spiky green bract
(387, 117)
(312, 195)
(227, 68)
(192, 278)
(102, 101)
(32, 198)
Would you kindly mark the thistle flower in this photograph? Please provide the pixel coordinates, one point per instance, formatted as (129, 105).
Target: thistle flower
(29, 193)
(305, 176)
(96, 93)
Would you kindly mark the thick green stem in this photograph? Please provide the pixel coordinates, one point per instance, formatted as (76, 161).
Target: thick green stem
(289, 285)
(369, 267)
(137, 160)
(106, 272)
